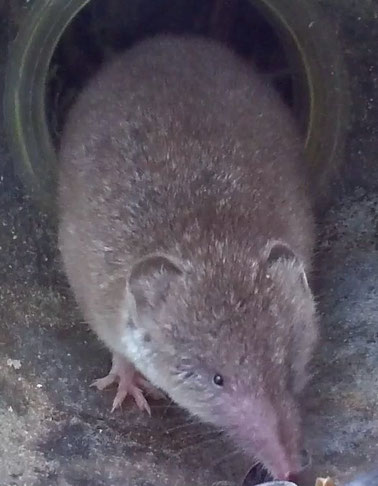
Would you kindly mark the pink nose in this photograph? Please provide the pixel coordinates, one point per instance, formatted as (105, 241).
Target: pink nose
(291, 476)
(305, 461)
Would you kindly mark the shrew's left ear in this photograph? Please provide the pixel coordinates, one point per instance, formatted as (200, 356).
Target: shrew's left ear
(150, 281)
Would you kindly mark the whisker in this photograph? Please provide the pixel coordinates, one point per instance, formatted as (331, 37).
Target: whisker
(170, 405)
(225, 457)
(181, 426)
(167, 407)
(254, 464)
(204, 435)
(202, 443)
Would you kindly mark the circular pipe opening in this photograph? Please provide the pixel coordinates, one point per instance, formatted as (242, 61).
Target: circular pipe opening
(96, 34)
(63, 42)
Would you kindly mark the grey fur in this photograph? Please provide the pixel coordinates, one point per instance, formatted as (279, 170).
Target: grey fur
(186, 233)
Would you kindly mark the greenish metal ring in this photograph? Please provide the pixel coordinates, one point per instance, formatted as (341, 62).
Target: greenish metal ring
(25, 121)
(304, 32)
(313, 49)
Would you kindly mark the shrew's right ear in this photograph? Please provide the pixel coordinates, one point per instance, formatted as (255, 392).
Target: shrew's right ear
(279, 253)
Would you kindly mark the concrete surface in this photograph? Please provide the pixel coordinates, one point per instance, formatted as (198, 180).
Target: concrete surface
(343, 399)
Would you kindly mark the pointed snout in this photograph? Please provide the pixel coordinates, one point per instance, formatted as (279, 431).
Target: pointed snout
(305, 460)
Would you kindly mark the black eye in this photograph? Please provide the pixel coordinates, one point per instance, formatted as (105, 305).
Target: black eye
(218, 380)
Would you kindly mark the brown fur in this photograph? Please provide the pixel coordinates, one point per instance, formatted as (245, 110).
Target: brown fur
(186, 234)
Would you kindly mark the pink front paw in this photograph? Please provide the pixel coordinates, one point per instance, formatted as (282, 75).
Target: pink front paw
(130, 382)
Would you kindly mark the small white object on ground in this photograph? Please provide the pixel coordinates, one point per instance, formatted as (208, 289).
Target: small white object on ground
(14, 363)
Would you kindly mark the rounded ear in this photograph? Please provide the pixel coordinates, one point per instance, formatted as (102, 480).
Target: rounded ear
(150, 281)
(279, 253)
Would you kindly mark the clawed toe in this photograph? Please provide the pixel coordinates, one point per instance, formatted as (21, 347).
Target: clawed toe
(150, 390)
(118, 399)
(130, 383)
(105, 382)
